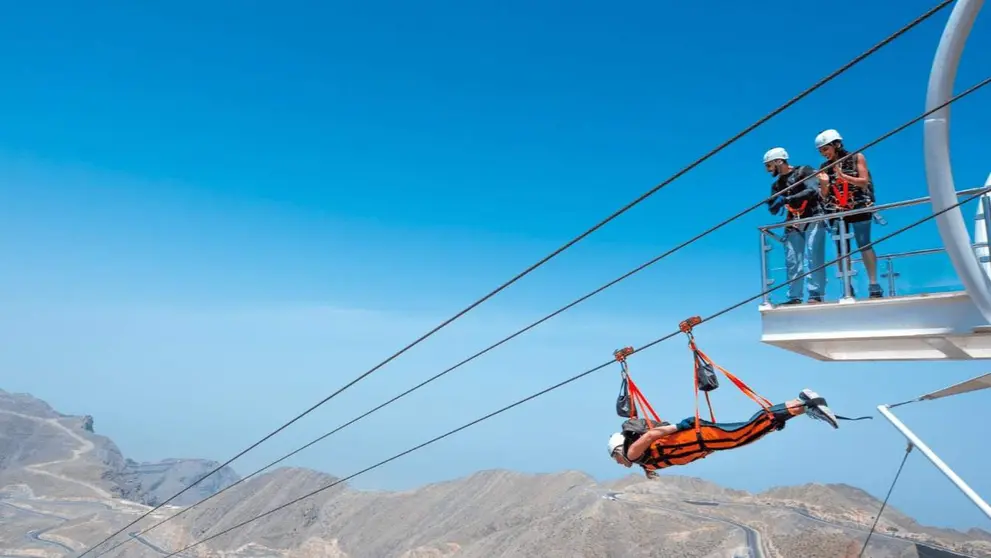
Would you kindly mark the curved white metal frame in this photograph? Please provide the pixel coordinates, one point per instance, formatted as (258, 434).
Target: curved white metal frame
(936, 144)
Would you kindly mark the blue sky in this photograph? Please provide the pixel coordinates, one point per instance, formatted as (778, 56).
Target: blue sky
(213, 217)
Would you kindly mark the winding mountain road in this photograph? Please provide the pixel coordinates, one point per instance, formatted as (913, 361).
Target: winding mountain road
(85, 446)
(925, 549)
(755, 542)
(755, 546)
(36, 534)
(930, 550)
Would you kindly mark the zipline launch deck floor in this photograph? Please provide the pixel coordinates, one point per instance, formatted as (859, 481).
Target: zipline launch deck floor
(932, 326)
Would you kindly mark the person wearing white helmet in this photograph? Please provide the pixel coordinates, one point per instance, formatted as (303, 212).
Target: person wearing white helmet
(797, 191)
(617, 441)
(849, 186)
(665, 445)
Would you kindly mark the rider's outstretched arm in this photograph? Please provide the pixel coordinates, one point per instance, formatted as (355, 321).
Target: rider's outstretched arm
(638, 447)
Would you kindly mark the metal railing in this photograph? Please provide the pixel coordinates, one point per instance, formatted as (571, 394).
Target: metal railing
(837, 229)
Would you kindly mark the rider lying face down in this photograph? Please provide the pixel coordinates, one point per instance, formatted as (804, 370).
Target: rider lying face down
(665, 445)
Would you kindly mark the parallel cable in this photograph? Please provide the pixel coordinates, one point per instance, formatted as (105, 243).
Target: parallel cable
(458, 365)
(877, 518)
(657, 341)
(557, 312)
(842, 69)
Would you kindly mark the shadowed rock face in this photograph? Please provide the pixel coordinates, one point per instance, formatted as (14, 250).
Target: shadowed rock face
(158, 481)
(32, 433)
(62, 486)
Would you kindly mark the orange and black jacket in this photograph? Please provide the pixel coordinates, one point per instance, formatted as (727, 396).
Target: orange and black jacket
(801, 201)
(679, 448)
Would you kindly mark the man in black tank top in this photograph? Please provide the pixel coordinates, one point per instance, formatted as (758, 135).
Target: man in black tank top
(845, 187)
(795, 190)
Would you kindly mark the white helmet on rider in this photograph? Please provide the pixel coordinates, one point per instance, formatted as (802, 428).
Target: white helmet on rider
(616, 441)
(826, 137)
(774, 154)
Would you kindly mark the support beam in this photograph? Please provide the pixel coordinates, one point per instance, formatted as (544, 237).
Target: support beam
(943, 467)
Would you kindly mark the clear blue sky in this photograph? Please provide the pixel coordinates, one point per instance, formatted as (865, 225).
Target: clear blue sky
(215, 214)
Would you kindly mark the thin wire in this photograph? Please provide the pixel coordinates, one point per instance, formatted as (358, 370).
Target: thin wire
(877, 518)
(916, 400)
(544, 319)
(529, 327)
(558, 385)
(591, 370)
(932, 11)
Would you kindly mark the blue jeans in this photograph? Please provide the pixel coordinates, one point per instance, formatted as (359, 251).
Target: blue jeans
(780, 412)
(801, 246)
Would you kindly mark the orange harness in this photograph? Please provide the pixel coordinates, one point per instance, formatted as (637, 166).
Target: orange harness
(688, 445)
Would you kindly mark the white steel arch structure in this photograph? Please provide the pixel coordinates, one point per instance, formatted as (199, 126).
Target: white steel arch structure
(936, 146)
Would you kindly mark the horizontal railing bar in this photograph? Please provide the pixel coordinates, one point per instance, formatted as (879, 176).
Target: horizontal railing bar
(871, 209)
(911, 253)
(897, 255)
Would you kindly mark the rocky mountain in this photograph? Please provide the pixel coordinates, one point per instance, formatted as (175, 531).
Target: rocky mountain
(63, 488)
(158, 481)
(33, 433)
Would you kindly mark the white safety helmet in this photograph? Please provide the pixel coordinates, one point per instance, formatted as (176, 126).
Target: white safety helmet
(616, 441)
(827, 137)
(774, 154)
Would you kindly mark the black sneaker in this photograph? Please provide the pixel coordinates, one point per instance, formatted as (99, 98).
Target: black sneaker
(875, 291)
(816, 407)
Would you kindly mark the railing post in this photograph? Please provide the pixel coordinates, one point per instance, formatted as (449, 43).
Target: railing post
(891, 276)
(764, 282)
(845, 263)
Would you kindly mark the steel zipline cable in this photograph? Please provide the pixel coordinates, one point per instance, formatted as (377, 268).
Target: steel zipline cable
(932, 11)
(657, 341)
(560, 384)
(540, 321)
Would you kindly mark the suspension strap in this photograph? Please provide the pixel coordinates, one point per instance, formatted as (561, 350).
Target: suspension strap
(703, 362)
(637, 398)
(705, 381)
(740, 384)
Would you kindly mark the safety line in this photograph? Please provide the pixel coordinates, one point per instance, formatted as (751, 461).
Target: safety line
(877, 518)
(558, 385)
(525, 329)
(870, 51)
(657, 341)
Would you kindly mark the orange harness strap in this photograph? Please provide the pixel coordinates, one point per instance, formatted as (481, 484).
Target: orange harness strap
(842, 199)
(637, 398)
(796, 213)
(686, 327)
